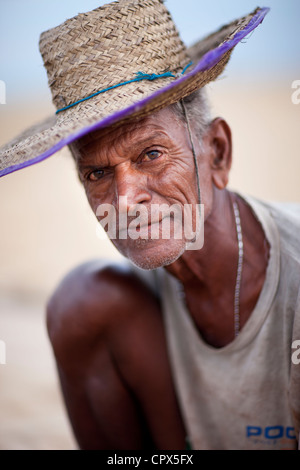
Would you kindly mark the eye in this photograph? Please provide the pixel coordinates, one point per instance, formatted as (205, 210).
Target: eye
(151, 155)
(95, 175)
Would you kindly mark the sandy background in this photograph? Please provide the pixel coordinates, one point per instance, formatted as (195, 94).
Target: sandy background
(47, 228)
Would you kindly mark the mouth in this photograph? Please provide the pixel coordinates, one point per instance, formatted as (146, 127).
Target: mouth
(142, 230)
(150, 224)
(157, 224)
(146, 230)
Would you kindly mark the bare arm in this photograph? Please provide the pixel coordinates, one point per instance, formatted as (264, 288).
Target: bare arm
(108, 339)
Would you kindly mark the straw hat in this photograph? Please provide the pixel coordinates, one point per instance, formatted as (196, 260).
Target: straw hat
(121, 61)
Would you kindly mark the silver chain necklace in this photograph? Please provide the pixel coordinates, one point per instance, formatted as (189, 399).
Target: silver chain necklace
(239, 270)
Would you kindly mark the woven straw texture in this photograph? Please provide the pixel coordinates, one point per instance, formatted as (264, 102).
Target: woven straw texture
(103, 48)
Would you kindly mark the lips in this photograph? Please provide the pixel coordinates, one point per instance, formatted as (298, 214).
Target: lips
(138, 223)
(143, 223)
(153, 222)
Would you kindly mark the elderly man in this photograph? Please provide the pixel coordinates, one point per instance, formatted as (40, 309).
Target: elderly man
(185, 344)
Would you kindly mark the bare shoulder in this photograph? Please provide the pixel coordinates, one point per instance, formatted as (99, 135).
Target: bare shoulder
(95, 298)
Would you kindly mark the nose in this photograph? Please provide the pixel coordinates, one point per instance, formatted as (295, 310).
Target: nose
(130, 187)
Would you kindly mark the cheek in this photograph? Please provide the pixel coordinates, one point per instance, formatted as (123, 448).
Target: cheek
(95, 198)
(206, 188)
(176, 182)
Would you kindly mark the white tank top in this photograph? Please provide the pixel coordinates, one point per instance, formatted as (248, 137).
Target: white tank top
(245, 395)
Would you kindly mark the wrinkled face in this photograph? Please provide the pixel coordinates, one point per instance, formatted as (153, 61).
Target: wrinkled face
(149, 164)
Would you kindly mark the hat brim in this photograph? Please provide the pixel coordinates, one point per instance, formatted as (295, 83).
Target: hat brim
(209, 56)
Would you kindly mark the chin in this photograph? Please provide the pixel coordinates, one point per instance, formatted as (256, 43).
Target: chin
(153, 254)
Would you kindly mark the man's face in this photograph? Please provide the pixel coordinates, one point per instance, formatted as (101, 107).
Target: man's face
(148, 163)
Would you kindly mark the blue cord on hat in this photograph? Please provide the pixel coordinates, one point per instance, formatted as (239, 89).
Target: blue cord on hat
(139, 76)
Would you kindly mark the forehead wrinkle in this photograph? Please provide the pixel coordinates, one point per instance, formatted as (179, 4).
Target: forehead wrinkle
(101, 135)
(121, 144)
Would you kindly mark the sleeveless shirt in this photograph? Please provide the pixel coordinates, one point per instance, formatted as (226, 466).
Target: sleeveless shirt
(245, 395)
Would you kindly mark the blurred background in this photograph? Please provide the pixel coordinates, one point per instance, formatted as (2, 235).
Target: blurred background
(47, 227)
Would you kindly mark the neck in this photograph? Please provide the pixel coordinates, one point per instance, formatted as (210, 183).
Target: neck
(209, 275)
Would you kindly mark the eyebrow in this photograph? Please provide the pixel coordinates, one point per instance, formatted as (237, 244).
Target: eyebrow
(135, 145)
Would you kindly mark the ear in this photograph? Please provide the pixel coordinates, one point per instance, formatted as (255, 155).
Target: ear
(221, 152)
